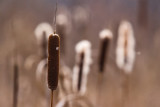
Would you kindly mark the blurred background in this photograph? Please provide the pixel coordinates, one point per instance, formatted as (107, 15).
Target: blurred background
(85, 19)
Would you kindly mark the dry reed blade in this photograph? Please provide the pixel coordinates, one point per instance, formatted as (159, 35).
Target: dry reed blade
(53, 62)
(15, 85)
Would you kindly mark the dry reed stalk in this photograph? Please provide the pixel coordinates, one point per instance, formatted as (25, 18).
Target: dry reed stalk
(53, 63)
(143, 13)
(125, 57)
(82, 67)
(44, 46)
(105, 39)
(15, 86)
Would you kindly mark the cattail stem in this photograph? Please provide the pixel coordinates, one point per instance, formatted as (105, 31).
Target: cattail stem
(51, 98)
(125, 88)
(99, 89)
(15, 86)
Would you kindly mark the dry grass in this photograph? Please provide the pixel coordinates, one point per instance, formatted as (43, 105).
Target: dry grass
(143, 81)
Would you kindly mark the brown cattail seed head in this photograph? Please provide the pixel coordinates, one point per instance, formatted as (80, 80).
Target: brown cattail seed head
(53, 61)
(80, 70)
(105, 36)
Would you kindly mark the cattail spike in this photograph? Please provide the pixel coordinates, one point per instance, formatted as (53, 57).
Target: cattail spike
(105, 36)
(125, 51)
(82, 67)
(80, 71)
(53, 61)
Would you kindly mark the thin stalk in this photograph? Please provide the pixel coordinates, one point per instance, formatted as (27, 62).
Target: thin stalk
(125, 89)
(51, 98)
(15, 86)
(99, 89)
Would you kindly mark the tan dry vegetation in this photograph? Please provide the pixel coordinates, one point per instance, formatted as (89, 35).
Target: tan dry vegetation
(144, 80)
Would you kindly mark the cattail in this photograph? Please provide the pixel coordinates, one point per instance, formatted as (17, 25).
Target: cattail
(125, 56)
(105, 38)
(53, 63)
(41, 32)
(15, 86)
(82, 67)
(44, 46)
(125, 51)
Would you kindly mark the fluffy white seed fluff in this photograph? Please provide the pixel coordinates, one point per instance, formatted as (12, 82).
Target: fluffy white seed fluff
(125, 26)
(43, 27)
(83, 46)
(80, 15)
(66, 99)
(62, 19)
(106, 33)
